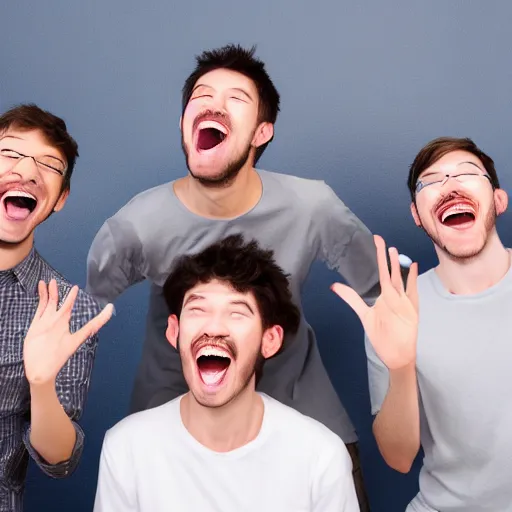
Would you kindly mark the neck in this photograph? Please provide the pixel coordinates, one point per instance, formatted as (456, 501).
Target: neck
(225, 428)
(229, 201)
(474, 275)
(13, 254)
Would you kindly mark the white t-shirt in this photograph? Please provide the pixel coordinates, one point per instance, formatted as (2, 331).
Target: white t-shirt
(151, 463)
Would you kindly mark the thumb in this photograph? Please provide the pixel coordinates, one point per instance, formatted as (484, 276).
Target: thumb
(92, 327)
(351, 298)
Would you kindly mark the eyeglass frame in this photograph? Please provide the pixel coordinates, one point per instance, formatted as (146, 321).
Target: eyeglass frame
(420, 185)
(62, 174)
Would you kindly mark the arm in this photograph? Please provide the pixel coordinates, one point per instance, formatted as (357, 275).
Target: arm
(58, 365)
(114, 261)
(391, 326)
(116, 489)
(334, 489)
(395, 402)
(346, 244)
(53, 438)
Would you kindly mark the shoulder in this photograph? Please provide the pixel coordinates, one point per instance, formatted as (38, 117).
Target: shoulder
(309, 190)
(86, 307)
(143, 425)
(304, 431)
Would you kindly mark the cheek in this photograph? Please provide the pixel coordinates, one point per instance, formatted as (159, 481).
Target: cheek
(193, 108)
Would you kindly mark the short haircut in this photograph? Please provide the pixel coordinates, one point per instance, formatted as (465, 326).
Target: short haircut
(241, 60)
(246, 268)
(440, 147)
(29, 117)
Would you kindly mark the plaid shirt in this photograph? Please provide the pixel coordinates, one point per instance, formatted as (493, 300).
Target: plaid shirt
(18, 303)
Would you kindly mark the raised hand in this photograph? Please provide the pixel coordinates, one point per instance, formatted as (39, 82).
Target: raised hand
(392, 323)
(49, 343)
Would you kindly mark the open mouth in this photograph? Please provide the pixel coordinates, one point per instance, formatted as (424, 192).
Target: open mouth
(210, 134)
(212, 364)
(458, 214)
(18, 205)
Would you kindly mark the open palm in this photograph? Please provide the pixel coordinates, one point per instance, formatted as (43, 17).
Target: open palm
(391, 324)
(49, 344)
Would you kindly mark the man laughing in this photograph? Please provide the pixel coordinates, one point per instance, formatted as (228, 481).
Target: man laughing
(222, 445)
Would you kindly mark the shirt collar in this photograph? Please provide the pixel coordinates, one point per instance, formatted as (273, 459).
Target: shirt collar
(27, 273)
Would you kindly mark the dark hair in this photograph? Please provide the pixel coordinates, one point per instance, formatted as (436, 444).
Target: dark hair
(440, 147)
(30, 117)
(241, 60)
(247, 268)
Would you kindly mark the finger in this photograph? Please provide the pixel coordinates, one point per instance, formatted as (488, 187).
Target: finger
(43, 299)
(396, 274)
(382, 262)
(67, 306)
(412, 285)
(53, 295)
(352, 299)
(93, 326)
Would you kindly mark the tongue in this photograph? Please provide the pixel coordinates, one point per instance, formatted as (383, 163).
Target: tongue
(16, 212)
(212, 372)
(208, 139)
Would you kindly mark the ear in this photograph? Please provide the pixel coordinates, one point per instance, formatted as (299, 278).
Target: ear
(263, 134)
(500, 201)
(272, 341)
(61, 201)
(181, 123)
(173, 330)
(415, 216)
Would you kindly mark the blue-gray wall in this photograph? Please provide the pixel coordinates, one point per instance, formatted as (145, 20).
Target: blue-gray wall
(363, 88)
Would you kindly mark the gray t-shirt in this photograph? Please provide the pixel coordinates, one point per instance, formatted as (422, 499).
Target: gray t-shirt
(299, 219)
(464, 362)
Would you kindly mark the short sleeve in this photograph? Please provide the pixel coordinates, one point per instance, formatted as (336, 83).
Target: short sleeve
(114, 261)
(378, 377)
(346, 244)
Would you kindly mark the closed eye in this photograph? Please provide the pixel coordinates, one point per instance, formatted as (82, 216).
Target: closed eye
(10, 153)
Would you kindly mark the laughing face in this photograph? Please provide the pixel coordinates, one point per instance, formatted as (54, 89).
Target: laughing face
(456, 204)
(220, 128)
(221, 340)
(31, 177)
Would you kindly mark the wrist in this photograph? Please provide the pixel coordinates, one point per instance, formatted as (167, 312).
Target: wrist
(404, 373)
(42, 387)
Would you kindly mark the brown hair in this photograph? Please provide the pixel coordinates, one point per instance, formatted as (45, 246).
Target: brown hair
(31, 117)
(440, 147)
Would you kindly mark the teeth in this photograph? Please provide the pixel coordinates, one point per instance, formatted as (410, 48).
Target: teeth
(212, 124)
(457, 208)
(212, 351)
(18, 193)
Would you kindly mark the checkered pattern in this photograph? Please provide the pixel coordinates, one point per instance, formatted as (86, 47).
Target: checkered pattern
(18, 303)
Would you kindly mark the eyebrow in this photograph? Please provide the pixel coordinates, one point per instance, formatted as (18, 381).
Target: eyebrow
(471, 163)
(443, 173)
(242, 303)
(191, 298)
(20, 138)
(238, 89)
(194, 296)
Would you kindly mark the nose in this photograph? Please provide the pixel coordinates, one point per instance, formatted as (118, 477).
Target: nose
(215, 326)
(27, 169)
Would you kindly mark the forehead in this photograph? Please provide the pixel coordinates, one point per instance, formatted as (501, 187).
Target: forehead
(454, 161)
(223, 79)
(219, 292)
(33, 141)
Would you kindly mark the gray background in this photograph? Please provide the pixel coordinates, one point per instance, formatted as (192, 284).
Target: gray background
(364, 86)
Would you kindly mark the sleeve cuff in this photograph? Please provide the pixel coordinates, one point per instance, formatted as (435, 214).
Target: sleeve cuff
(62, 469)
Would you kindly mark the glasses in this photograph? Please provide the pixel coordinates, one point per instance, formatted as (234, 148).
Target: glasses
(44, 163)
(439, 179)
